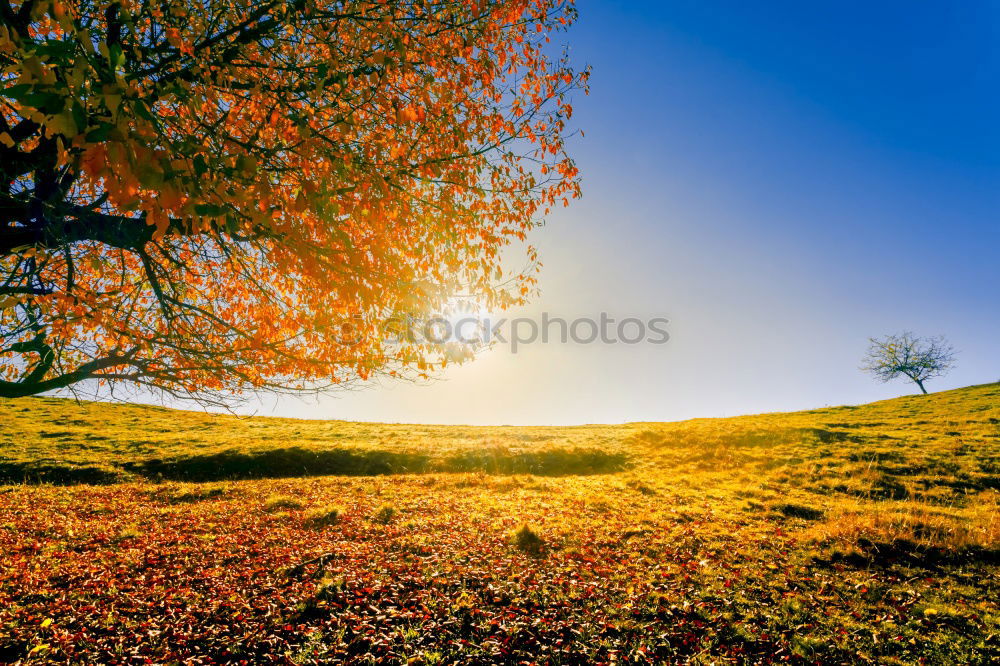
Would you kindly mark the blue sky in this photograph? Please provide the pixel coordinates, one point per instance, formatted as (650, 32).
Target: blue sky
(781, 180)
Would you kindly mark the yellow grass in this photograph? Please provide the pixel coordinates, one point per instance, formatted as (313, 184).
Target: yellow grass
(868, 533)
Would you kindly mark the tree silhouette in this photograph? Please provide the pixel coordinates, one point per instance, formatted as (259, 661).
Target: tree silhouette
(919, 359)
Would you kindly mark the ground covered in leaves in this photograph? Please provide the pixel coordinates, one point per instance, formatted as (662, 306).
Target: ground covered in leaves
(765, 539)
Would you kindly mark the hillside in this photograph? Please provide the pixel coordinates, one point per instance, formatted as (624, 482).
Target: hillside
(950, 440)
(866, 534)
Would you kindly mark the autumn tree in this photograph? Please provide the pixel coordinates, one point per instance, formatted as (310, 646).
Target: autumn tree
(209, 198)
(907, 355)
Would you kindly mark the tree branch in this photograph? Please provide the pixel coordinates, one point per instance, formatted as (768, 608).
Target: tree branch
(88, 370)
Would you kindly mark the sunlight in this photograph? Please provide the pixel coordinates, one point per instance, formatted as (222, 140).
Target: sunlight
(444, 412)
(466, 321)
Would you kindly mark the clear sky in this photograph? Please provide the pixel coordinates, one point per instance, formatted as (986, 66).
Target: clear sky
(781, 180)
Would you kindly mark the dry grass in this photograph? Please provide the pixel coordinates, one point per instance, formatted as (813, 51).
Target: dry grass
(923, 524)
(282, 503)
(931, 447)
(323, 516)
(839, 535)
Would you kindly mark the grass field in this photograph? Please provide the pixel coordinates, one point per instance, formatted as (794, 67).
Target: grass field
(134, 534)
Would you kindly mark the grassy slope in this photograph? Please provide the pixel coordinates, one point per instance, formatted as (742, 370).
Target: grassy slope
(847, 534)
(62, 441)
(931, 445)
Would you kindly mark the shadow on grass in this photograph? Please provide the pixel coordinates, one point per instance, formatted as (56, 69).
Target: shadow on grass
(902, 552)
(553, 462)
(288, 462)
(58, 473)
(279, 463)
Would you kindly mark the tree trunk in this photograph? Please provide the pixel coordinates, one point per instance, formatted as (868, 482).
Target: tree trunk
(921, 385)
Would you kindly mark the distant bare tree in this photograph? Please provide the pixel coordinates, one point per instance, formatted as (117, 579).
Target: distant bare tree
(906, 354)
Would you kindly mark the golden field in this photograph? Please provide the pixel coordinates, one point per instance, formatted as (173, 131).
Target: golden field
(837, 535)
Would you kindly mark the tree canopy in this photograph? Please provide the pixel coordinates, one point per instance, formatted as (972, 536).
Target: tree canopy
(202, 197)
